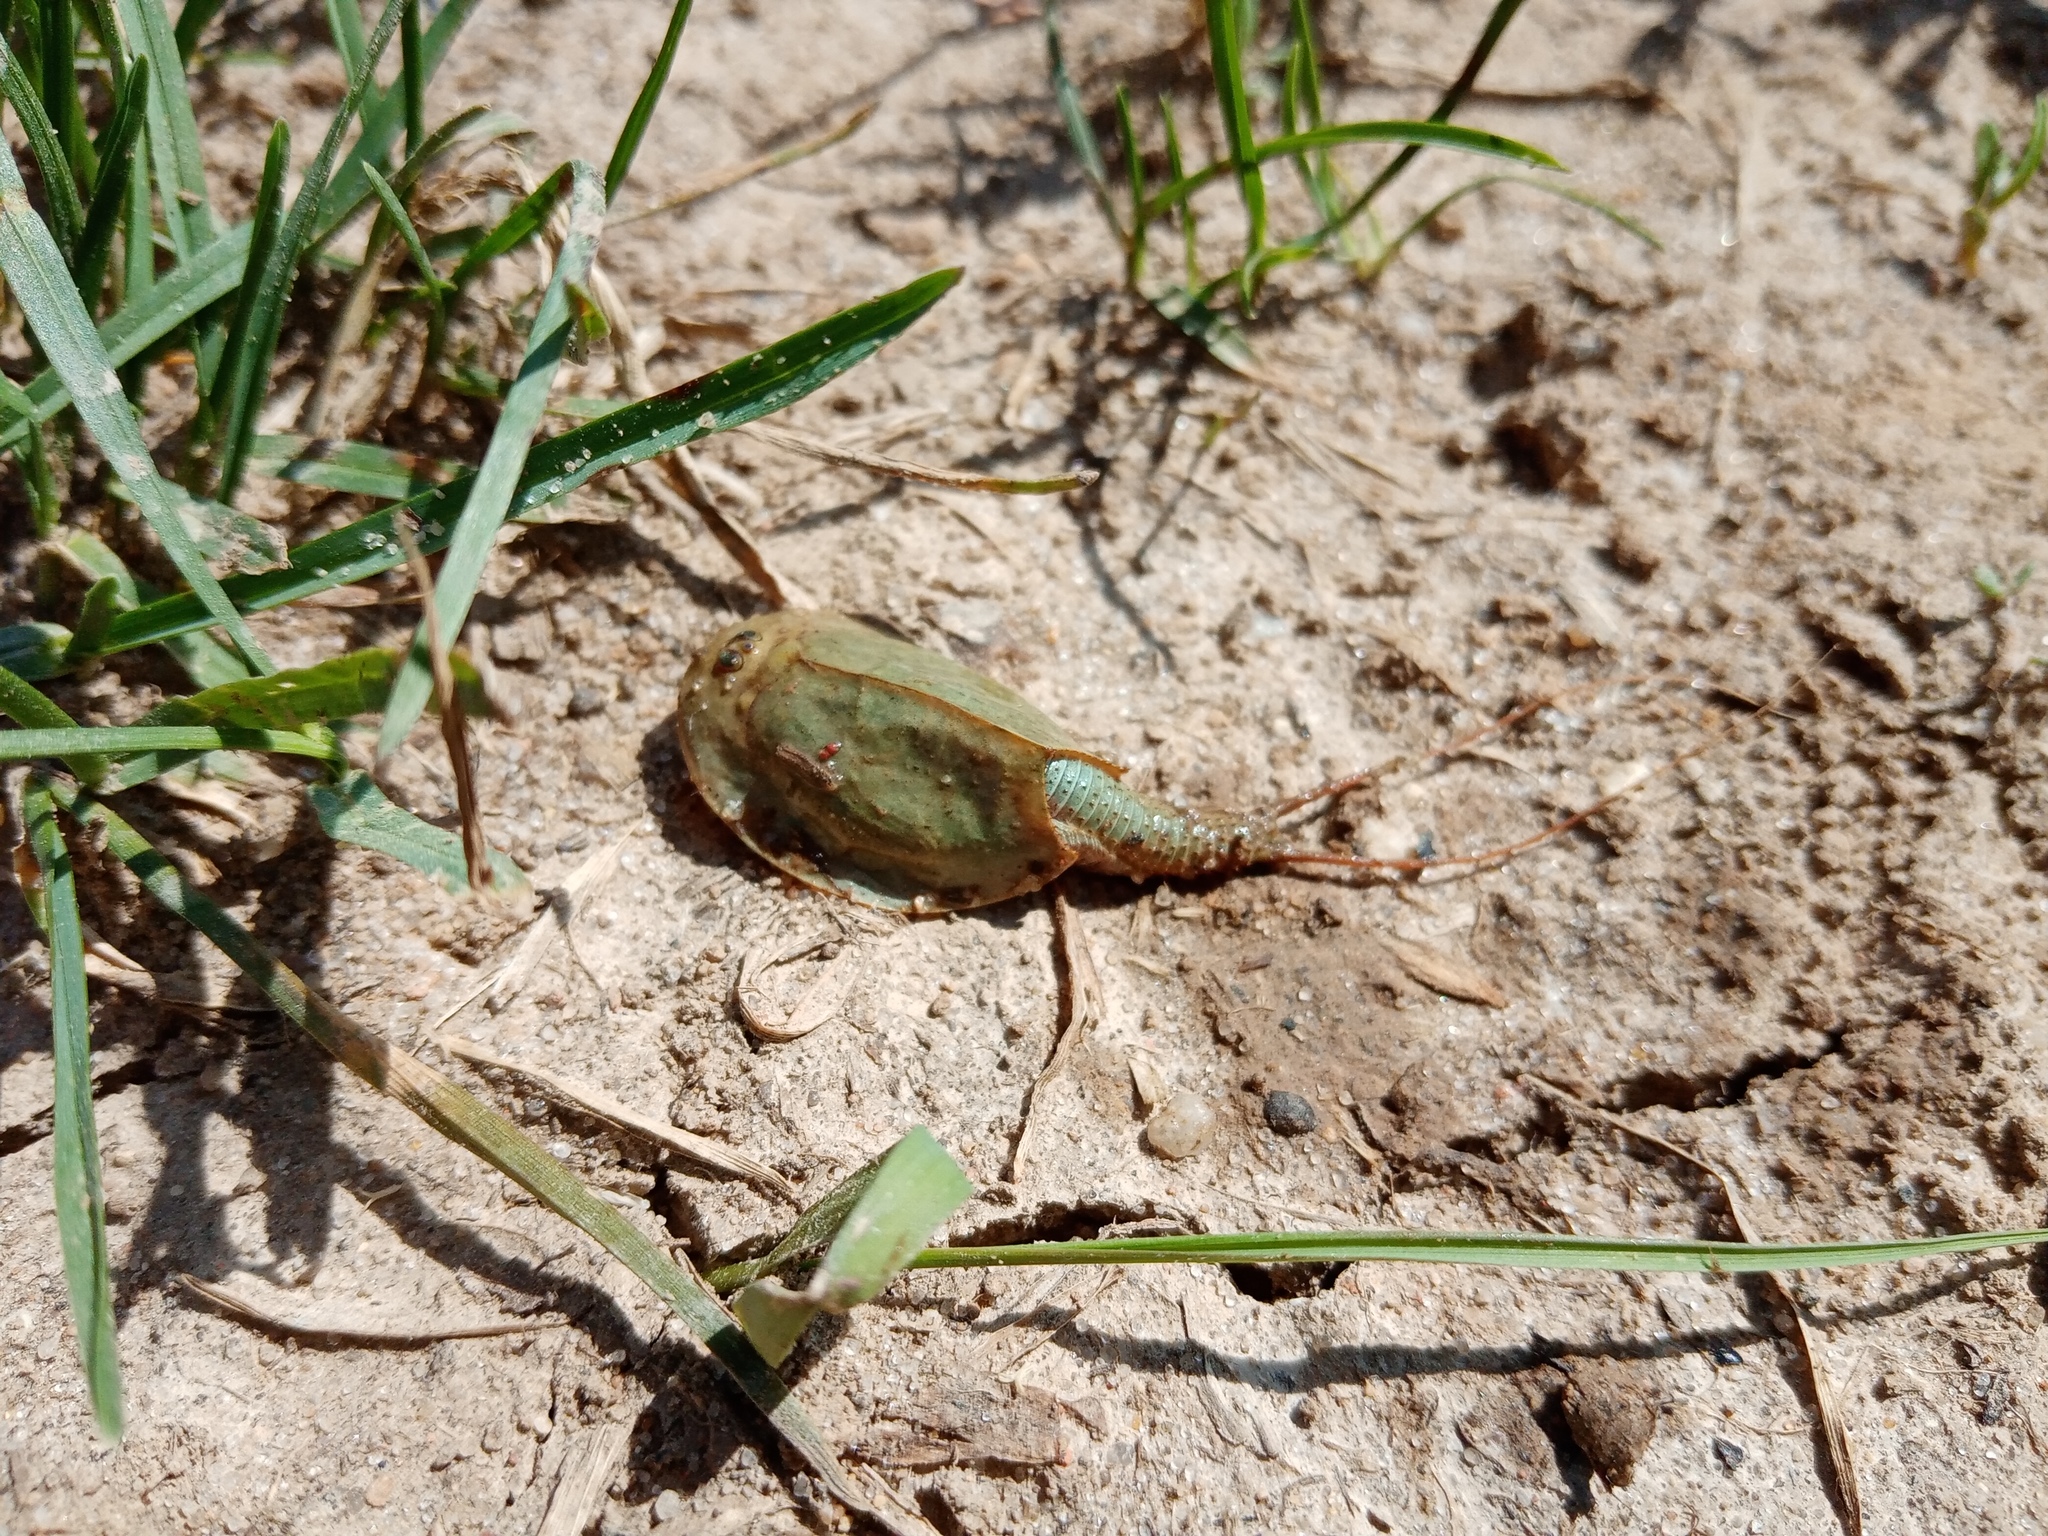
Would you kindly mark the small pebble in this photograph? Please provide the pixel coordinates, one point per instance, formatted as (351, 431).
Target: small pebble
(940, 1006)
(1728, 1453)
(378, 1494)
(575, 842)
(585, 700)
(1724, 1354)
(1289, 1114)
(668, 1505)
(1180, 1127)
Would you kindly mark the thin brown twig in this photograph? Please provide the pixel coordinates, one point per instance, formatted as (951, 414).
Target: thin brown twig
(476, 850)
(1081, 999)
(602, 1106)
(905, 469)
(1833, 1430)
(733, 175)
(245, 1309)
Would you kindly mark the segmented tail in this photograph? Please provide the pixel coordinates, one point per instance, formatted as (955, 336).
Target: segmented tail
(1120, 831)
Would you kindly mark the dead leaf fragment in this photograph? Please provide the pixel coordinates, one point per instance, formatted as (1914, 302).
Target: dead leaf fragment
(1442, 973)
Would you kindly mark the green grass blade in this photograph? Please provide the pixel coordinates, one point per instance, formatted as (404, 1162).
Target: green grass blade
(345, 31)
(81, 1200)
(110, 193)
(1453, 98)
(173, 131)
(60, 88)
(1443, 135)
(205, 660)
(1184, 210)
(635, 130)
(394, 209)
(1134, 169)
(383, 119)
(806, 1239)
(43, 289)
(742, 391)
(97, 611)
(26, 746)
(67, 217)
(1517, 1250)
(463, 1118)
(273, 276)
(1080, 132)
(1570, 194)
(355, 810)
(412, 77)
(46, 505)
(33, 652)
(336, 689)
(2030, 158)
(917, 1187)
(526, 219)
(232, 385)
(1226, 63)
(148, 320)
(32, 709)
(192, 21)
(138, 235)
(497, 478)
(359, 469)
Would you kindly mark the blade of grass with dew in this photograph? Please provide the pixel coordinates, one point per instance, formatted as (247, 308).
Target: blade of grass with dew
(497, 478)
(173, 130)
(193, 18)
(359, 469)
(354, 810)
(1473, 141)
(915, 1187)
(110, 193)
(1080, 132)
(273, 279)
(67, 217)
(266, 226)
(383, 117)
(463, 1118)
(80, 1197)
(43, 289)
(205, 660)
(34, 710)
(1226, 63)
(1514, 1250)
(742, 391)
(635, 128)
(168, 303)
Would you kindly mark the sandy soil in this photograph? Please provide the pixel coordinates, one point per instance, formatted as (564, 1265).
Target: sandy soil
(1535, 456)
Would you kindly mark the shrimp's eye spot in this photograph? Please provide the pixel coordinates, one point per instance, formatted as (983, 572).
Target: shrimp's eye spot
(728, 661)
(746, 640)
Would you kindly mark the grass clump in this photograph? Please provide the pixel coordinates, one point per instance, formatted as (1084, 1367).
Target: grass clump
(1996, 180)
(117, 262)
(1267, 98)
